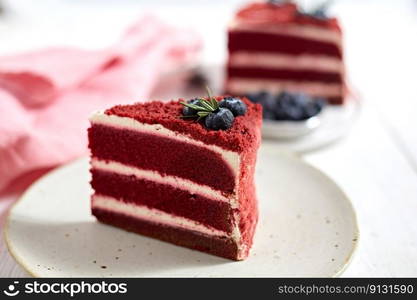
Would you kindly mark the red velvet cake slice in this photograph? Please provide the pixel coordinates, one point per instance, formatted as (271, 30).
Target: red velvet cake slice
(156, 173)
(275, 47)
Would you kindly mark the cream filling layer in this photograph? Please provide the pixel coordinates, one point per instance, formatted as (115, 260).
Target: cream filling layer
(176, 182)
(242, 86)
(296, 62)
(152, 215)
(230, 157)
(302, 31)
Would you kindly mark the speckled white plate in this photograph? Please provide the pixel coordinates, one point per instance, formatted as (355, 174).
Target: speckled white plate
(307, 227)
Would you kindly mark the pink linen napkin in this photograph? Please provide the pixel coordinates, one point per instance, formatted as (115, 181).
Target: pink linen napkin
(47, 96)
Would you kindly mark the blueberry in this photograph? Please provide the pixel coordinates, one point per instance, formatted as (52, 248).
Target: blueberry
(268, 115)
(276, 2)
(254, 97)
(284, 100)
(280, 114)
(320, 14)
(269, 102)
(320, 102)
(301, 99)
(294, 106)
(222, 119)
(295, 113)
(235, 105)
(310, 110)
(188, 111)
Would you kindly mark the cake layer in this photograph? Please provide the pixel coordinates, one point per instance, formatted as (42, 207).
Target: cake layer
(279, 43)
(286, 61)
(310, 32)
(184, 184)
(166, 155)
(153, 215)
(163, 197)
(287, 74)
(217, 245)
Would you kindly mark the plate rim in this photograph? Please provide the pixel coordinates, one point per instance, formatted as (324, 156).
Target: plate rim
(289, 155)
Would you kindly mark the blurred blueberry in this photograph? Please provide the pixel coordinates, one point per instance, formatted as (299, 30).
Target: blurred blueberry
(295, 113)
(310, 110)
(254, 97)
(320, 102)
(268, 115)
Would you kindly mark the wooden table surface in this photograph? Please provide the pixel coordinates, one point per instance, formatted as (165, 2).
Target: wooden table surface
(376, 164)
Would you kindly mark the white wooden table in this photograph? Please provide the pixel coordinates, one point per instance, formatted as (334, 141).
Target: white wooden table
(376, 164)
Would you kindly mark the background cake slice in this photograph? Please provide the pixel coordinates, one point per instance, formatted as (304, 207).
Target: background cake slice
(160, 175)
(275, 47)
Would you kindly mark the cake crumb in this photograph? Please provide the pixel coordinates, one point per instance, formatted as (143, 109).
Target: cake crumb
(104, 267)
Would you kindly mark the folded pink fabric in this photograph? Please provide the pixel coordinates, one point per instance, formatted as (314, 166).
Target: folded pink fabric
(47, 96)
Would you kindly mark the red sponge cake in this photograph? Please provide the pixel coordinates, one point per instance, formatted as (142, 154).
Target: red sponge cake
(273, 46)
(158, 173)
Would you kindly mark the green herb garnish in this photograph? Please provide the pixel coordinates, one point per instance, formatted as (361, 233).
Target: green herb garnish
(203, 107)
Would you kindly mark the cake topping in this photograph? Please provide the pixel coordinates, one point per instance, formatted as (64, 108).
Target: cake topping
(222, 119)
(235, 105)
(217, 115)
(188, 111)
(277, 2)
(285, 12)
(320, 12)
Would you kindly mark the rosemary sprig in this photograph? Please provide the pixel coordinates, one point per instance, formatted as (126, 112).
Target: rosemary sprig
(204, 107)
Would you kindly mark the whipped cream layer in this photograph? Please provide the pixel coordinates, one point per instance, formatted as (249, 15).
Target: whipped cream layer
(286, 61)
(230, 157)
(301, 31)
(241, 86)
(153, 215)
(176, 182)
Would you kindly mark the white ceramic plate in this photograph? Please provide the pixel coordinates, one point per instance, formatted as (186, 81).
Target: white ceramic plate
(290, 129)
(335, 123)
(307, 228)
